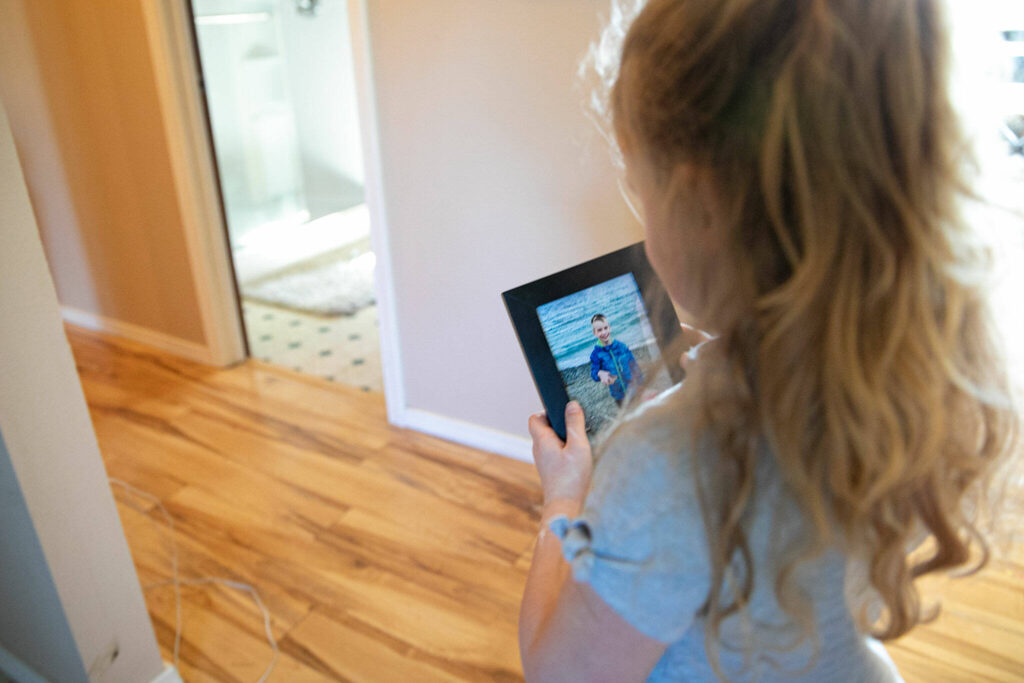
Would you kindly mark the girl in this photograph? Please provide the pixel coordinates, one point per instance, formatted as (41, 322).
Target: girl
(796, 167)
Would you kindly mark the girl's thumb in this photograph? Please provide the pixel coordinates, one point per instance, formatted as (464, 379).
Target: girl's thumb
(575, 423)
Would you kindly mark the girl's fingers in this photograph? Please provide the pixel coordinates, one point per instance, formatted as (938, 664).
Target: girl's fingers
(539, 427)
(575, 425)
(544, 438)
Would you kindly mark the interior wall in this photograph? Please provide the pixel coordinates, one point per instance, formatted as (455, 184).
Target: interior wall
(322, 82)
(492, 177)
(67, 568)
(78, 82)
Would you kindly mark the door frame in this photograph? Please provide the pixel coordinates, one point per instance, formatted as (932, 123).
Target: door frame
(190, 144)
(195, 181)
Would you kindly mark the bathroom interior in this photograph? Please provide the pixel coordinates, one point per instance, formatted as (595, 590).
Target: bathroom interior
(280, 92)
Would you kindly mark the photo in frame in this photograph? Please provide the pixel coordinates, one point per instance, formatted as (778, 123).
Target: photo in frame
(594, 333)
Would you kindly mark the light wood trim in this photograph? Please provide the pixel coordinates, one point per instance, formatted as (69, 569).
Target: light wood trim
(195, 180)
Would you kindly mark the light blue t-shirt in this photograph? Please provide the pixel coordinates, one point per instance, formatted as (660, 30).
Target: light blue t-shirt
(640, 544)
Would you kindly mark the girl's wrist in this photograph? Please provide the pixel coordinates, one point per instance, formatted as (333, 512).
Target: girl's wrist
(570, 507)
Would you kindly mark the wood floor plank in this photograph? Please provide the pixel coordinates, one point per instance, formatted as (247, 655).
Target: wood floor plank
(994, 595)
(439, 628)
(432, 542)
(184, 457)
(151, 551)
(432, 447)
(382, 554)
(342, 652)
(214, 648)
(468, 487)
(917, 664)
(488, 590)
(522, 473)
(947, 658)
(411, 612)
(259, 393)
(134, 473)
(355, 569)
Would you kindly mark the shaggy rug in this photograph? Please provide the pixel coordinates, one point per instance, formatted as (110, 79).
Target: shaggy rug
(337, 288)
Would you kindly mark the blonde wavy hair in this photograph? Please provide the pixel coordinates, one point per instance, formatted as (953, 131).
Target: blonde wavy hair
(854, 331)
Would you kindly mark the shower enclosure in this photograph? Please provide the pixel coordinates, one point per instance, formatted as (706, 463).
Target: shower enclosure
(280, 90)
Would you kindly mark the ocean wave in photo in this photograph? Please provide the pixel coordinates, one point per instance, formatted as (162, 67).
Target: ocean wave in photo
(566, 321)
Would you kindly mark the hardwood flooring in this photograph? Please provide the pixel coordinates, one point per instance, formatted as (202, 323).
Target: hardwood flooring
(381, 554)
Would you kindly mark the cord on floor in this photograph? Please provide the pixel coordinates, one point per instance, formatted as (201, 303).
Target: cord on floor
(177, 581)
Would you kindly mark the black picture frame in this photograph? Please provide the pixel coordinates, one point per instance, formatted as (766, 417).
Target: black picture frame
(522, 303)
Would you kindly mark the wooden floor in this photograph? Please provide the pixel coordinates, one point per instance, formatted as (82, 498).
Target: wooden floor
(381, 554)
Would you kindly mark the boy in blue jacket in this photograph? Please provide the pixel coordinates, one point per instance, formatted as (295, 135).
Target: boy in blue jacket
(611, 361)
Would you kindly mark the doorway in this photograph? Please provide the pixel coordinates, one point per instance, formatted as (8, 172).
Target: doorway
(280, 95)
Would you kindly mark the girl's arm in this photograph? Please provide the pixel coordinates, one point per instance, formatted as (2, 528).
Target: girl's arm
(548, 574)
(566, 631)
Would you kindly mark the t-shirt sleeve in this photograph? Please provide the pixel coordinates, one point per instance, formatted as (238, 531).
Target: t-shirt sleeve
(640, 541)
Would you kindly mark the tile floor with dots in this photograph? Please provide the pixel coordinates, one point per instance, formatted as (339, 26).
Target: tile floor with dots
(343, 349)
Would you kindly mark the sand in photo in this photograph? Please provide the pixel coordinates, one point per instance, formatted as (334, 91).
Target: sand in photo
(598, 405)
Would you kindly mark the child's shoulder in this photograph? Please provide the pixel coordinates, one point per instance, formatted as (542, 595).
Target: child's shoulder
(643, 474)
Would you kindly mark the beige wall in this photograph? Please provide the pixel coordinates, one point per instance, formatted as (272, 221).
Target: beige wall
(77, 80)
(72, 606)
(492, 177)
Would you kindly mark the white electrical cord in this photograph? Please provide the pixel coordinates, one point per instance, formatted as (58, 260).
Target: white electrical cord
(177, 581)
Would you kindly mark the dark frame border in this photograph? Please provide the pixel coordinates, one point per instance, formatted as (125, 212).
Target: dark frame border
(522, 302)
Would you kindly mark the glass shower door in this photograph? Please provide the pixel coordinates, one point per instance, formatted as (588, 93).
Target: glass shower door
(251, 114)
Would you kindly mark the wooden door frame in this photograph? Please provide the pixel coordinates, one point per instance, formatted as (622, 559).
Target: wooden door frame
(195, 180)
(189, 142)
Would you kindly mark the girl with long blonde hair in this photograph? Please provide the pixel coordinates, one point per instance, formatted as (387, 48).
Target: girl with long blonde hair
(797, 167)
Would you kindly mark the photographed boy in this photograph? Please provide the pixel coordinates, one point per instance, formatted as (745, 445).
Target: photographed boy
(611, 361)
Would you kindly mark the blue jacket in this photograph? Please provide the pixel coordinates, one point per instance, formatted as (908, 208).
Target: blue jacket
(617, 359)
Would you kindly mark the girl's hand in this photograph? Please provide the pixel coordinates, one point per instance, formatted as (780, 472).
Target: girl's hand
(564, 468)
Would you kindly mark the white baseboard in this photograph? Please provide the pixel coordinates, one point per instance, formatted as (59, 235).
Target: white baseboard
(137, 333)
(483, 438)
(168, 675)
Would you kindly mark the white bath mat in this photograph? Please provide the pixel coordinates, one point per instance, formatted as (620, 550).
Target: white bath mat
(339, 288)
